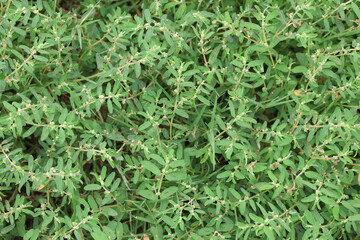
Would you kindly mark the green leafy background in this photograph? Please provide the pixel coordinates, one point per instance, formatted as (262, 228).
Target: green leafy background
(179, 119)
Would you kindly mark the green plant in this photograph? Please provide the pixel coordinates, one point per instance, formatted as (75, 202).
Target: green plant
(179, 119)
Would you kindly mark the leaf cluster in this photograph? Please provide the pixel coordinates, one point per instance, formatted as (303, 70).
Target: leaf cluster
(179, 119)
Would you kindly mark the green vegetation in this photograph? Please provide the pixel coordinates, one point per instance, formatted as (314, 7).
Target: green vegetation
(179, 119)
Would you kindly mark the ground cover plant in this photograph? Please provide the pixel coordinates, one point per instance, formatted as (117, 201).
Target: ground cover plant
(179, 119)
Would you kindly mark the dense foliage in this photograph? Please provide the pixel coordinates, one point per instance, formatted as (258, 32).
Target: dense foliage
(179, 119)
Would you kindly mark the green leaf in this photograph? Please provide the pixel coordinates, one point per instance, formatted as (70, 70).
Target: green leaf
(328, 201)
(235, 193)
(63, 115)
(299, 69)
(256, 48)
(137, 70)
(7, 229)
(119, 230)
(336, 211)
(250, 25)
(109, 106)
(262, 186)
(310, 217)
(41, 58)
(92, 203)
(147, 15)
(182, 113)
(356, 9)
(355, 218)
(109, 179)
(19, 31)
(257, 219)
(158, 158)
(176, 176)
(269, 233)
(214, 54)
(147, 194)
(99, 235)
(195, 236)
(92, 187)
(191, 72)
(144, 126)
(237, 64)
(309, 198)
(180, 11)
(79, 37)
(99, 61)
(115, 137)
(349, 206)
(9, 107)
(31, 234)
(168, 192)
(224, 174)
(45, 133)
(206, 231)
(169, 221)
(208, 191)
(151, 167)
(61, 135)
(18, 125)
(272, 14)
(285, 141)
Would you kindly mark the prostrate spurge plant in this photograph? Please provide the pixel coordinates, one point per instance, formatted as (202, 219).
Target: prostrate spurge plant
(179, 119)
